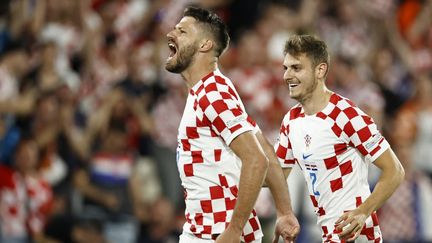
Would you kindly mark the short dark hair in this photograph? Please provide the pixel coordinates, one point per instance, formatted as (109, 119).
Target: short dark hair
(313, 47)
(214, 25)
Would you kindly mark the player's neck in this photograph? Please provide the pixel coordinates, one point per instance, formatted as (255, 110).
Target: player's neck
(317, 101)
(198, 69)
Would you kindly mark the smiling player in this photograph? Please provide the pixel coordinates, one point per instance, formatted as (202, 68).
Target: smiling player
(333, 142)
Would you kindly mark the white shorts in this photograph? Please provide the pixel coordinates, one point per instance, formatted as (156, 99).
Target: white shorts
(189, 238)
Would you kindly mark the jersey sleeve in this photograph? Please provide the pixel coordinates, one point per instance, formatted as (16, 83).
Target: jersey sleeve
(362, 133)
(283, 147)
(224, 112)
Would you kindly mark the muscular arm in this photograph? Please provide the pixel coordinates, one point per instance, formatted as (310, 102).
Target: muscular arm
(253, 171)
(391, 176)
(287, 224)
(275, 179)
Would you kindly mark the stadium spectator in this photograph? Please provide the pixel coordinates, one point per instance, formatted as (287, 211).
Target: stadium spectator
(26, 198)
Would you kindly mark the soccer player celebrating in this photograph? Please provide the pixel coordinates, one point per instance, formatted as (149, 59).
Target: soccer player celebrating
(333, 142)
(222, 156)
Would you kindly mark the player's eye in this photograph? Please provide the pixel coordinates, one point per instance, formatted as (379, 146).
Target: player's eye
(296, 68)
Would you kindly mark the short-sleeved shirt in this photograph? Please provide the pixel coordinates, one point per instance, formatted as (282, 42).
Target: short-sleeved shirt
(210, 171)
(25, 203)
(333, 148)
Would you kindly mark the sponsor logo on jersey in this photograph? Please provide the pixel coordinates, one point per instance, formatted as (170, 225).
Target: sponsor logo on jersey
(235, 121)
(373, 141)
(306, 156)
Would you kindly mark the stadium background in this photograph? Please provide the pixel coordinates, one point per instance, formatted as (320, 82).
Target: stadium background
(85, 79)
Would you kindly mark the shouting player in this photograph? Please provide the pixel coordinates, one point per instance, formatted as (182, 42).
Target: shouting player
(222, 156)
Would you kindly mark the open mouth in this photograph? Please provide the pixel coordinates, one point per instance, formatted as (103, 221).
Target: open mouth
(293, 85)
(172, 48)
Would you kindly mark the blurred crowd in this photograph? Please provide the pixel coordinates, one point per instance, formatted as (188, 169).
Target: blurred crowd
(89, 116)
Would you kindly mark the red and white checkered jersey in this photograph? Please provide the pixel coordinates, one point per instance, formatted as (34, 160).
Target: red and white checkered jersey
(25, 204)
(210, 171)
(333, 148)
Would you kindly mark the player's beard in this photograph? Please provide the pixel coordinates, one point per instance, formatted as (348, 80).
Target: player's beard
(183, 58)
(308, 91)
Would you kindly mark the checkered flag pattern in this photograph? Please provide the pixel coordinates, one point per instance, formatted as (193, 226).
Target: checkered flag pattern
(333, 148)
(214, 115)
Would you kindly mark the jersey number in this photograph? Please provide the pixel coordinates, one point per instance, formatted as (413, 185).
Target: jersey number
(314, 179)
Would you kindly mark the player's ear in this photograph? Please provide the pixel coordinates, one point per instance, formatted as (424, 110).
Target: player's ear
(321, 70)
(206, 45)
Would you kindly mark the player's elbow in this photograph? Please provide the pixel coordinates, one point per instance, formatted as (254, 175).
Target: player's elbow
(397, 174)
(400, 174)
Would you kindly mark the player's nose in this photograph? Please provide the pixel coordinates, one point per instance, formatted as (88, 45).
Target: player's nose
(287, 76)
(170, 35)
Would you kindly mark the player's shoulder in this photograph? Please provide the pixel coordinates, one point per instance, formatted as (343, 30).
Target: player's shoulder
(341, 101)
(345, 116)
(295, 112)
(214, 82)
(343, 106)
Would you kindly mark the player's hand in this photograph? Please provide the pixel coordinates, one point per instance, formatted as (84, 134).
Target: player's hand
(350, 224)
(288, 227)
(230, 235)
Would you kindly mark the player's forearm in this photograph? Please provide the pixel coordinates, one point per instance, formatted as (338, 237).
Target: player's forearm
(383, 190)
(275, 179)
(251, 179)
(390, 179)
